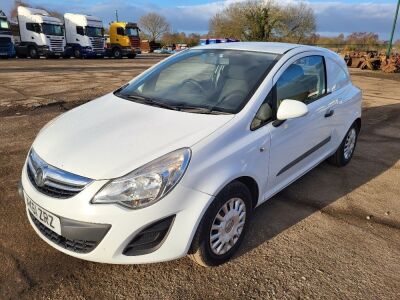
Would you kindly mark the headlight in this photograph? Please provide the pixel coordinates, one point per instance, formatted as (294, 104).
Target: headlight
(147, 184)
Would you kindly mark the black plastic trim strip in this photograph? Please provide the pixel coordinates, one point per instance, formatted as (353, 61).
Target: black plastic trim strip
(303, 156)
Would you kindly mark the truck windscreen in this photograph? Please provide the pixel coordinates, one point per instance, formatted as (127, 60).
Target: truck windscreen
(129, 31)
(52, 29)
(94, 31)
(4, 24)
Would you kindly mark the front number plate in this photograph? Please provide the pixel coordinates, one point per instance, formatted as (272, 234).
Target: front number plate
(45, 217)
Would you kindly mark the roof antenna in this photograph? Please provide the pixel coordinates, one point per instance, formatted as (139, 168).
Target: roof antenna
(116, 15)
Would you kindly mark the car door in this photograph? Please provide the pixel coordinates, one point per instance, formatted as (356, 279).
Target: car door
(299, 144)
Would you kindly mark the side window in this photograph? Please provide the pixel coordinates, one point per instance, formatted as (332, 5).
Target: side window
(338, 77)
(33, 27)
(120, 31)
(79, 30)
(265, 112)
(304, 80)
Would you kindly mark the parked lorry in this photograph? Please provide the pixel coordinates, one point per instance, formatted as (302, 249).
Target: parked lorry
(39, 34)
(85, 35)
(124, 40)
(6, 39)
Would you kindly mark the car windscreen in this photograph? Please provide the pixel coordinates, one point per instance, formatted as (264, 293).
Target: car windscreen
(52, 29)
(129, 31)
(216, 80)
(94, 31)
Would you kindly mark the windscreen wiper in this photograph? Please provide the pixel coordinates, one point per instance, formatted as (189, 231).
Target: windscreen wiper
(149, 101)
(199, 109)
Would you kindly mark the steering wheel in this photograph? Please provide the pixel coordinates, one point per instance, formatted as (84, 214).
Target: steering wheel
(197, 85)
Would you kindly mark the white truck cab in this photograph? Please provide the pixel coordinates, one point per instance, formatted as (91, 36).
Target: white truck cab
(40, 34)
(85, 35)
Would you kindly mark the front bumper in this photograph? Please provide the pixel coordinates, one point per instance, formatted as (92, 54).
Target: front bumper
(93, 53)
(187, 206)
(7, 51)
(44, 51)
(127, 51)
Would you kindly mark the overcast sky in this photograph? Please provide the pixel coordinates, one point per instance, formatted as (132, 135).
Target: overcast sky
(333, 17)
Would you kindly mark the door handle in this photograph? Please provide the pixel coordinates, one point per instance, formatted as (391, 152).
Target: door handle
(329, 113)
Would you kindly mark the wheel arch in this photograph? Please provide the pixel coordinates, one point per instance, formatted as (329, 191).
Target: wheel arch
(357, 122)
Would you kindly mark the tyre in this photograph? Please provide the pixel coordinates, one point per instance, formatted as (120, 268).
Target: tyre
(117, 53)
(77, 53)
(33, 53)
(345, 152)
(223, 226)
(131, 56)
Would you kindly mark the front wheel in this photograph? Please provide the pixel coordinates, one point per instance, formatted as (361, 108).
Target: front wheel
(345, 152)
(223, 226)
(33, 53)
(77, 53)
(117, 53)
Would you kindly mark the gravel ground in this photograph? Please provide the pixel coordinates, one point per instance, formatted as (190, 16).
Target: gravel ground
(335, 233)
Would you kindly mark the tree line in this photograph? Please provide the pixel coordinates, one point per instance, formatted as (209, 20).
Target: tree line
(252, 20)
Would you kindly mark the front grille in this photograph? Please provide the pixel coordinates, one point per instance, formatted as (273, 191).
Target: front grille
(79, 246)
(135, 42)
(57, 45)
(98, 44)
(52, 181)
(5, 41)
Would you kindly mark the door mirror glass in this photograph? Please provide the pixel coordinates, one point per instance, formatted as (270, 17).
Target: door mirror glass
(290, 109)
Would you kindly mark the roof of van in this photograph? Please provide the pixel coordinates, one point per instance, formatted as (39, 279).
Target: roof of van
(277, 48)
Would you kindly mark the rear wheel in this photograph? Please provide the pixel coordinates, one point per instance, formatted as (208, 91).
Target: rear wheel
(345, 152)
(131, 56)
(223, 226)
(33, 53)
(117, 53)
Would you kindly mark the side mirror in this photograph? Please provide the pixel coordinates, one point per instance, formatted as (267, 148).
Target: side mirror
(290, 109)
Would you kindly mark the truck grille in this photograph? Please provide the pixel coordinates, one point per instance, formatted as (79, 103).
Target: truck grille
(79, 246)
(5, 41)
(57, 45)
(98, 44)
(52, 181)
(135, 42)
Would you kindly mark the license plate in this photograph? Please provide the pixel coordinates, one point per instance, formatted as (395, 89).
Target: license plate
(45, 217)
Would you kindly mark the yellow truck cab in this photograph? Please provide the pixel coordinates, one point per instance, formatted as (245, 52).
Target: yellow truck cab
(123, 40)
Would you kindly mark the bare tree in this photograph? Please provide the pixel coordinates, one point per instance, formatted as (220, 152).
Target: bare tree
(154, 26)
(297, 22)
(264, 20)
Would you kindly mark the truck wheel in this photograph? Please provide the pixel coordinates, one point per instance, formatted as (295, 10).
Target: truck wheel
(131, 56)
(117, 53)
(77, 53)
(33, 53)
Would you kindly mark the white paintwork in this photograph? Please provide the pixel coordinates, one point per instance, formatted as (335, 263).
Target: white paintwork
(290, 109)
(71, 21)
(40, 16)
(109, 137)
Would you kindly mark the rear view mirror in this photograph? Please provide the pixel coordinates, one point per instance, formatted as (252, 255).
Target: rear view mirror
(290, 109)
